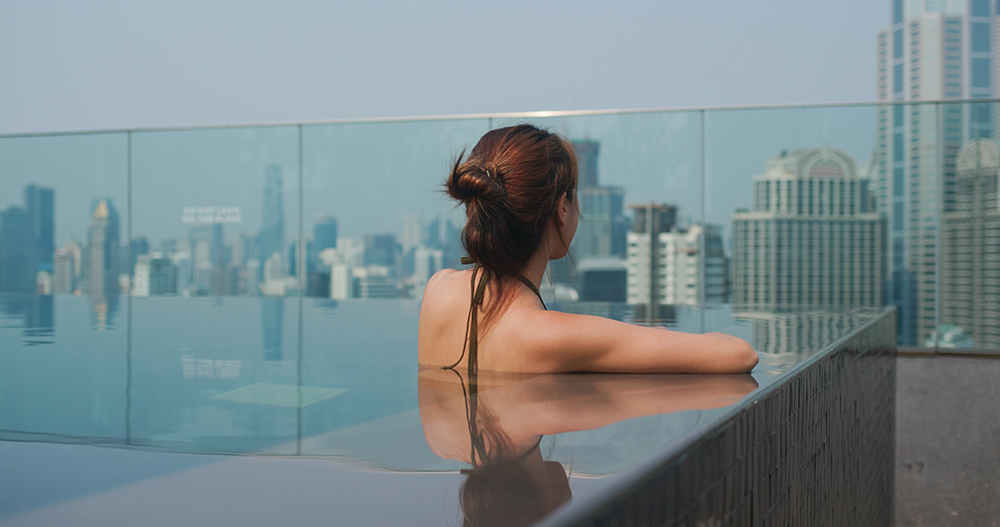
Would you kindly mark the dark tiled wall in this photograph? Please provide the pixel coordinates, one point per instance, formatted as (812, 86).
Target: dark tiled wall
(816, 449)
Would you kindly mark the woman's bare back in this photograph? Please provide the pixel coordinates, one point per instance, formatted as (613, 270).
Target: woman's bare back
(526, 338)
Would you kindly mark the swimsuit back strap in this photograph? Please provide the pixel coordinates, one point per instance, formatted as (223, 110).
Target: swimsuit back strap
(471, 341)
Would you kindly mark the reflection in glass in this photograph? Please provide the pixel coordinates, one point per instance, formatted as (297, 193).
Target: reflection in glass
(495, 423)
(970, 274)
(272, 321)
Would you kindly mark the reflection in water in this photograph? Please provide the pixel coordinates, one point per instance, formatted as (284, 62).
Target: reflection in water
(495, 422)
(782, 338)
(650, 314)
(272, 315)
(37, 314)
(103, 309)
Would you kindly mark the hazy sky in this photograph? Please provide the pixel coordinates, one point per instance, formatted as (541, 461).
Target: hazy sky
(99, 65)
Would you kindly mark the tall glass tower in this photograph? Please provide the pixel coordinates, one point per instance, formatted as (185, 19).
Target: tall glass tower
(934, 50)
(271, 238)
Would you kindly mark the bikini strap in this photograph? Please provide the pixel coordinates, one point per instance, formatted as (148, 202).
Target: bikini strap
(471, 340)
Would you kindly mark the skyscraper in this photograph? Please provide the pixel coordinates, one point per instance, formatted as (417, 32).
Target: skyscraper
(934, 50)
(970, 252)
(40, 204)
(102, 250)
(643, 260)
(603, 227)
(271, 238)
(586, 161)
(63, 278)
(324, 233)
(812, 238)
(207, 260)
(18, 251)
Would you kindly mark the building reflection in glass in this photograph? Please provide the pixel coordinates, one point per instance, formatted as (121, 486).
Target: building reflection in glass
(272, 315)
(37, 314)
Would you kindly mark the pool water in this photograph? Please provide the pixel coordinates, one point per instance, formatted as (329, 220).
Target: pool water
(219, 411)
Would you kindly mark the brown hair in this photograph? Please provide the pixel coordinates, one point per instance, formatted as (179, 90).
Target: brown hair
(510, 184)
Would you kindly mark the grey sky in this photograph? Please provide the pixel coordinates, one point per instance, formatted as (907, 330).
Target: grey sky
(99, 65)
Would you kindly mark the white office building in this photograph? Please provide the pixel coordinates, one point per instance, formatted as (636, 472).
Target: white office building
(812, 238)
(674, 272)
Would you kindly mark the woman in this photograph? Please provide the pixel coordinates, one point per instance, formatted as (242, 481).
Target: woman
(519, 189)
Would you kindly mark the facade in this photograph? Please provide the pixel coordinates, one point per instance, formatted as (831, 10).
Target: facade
(933, 51)
(678, 278)
(602, 279)
(40, 205)
(63, 277)
(812, 238)
(208, 265)
(102, 250)
(643, 256)
(154, 276)
(17, 251)
(970, 249)
(271, 238)
(603, 223)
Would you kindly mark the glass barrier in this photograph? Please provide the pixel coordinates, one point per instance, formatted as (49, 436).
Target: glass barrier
(63, 225)
(215, 224)
(834, 208)
(968, 230)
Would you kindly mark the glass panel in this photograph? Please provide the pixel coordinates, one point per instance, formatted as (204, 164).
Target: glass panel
(820, 243)
(651, 164)
(62, 228)
(377, 225)
(215, 314)
(969, 247)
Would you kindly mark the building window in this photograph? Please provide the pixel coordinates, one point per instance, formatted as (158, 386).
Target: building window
(897, 78)
(980, 73)
(981, 112)
(897, 43)
(897, 11)
(981, 36)
(897, 182)
(897, 147)
(980, 7)
(897, 115)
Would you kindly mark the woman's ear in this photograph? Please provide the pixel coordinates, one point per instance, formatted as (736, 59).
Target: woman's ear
(562, 210)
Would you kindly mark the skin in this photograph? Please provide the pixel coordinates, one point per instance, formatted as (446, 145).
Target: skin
(528, 339)
(525, 407)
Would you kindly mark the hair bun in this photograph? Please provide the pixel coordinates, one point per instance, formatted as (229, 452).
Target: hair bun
(468, 183)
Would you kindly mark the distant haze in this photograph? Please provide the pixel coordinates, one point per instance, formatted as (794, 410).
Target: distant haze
(101, 65)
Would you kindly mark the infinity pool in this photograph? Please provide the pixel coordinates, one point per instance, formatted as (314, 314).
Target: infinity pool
(243, 411)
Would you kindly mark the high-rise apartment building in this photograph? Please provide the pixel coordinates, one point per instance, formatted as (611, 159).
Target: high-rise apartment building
(934, 50)
(102, 250)
(644, 280)
(672, 273)
(970, 247)
(812, 238)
